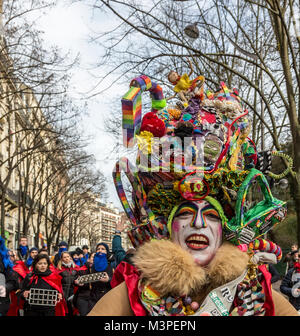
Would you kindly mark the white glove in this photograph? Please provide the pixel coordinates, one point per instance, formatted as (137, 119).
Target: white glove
(264, 257)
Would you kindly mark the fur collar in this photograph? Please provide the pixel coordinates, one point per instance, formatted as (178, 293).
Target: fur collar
(172, 271)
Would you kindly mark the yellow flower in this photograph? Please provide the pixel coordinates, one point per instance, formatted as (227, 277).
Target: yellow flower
(144, 141)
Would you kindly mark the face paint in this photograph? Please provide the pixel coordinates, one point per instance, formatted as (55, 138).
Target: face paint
(187, 211)
(197, 228)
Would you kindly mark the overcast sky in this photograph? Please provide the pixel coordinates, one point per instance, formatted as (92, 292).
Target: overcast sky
(70, 27)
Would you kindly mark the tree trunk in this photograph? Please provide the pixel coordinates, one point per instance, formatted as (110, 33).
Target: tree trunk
(2, 214)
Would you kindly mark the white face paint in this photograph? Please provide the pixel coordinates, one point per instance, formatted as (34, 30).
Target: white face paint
(197, 228)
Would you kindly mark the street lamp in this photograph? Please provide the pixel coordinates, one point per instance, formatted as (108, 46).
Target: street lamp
(192, 31)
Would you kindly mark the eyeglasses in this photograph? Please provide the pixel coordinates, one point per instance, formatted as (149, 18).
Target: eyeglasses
(12, 255)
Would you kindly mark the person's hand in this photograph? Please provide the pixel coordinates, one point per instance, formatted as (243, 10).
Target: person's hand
(296, 292)
(26, 294)
(105, 278)
(120, 226)
(77, 283)
(2, 291)
(59, 297)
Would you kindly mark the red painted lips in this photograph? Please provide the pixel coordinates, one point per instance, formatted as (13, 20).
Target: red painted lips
(197, 242)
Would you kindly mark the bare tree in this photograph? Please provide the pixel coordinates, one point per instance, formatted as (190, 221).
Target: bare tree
(44, 147)
(252, 45)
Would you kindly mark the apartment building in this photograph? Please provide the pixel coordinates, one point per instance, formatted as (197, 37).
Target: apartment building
(29, 162)
(109, 217)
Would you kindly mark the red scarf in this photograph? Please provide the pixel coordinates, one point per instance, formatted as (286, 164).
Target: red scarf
(266, 285)
(297, 267)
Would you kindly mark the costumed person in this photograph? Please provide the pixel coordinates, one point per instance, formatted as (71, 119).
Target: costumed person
(198, 242)
(44, 251)
(68, 271)
(23, 249)
(35, 290)
(100, 264)
(81, 256)
(82, 294)
(33, 252)
(8, 281)
(290, 284)
(62, 247)
(117, 249)
(86, 254)
(78, 257)
(19, 272)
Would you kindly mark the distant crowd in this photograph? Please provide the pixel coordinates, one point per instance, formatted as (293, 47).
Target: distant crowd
(32, 283)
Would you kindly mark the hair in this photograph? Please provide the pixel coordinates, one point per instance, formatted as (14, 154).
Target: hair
(170, 74)
(38, 258)
(43, 250)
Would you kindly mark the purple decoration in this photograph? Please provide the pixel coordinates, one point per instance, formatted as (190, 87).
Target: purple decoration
(187, 300)
(193, 108)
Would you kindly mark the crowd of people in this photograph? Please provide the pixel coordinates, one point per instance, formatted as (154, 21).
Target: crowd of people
(29, 276)
(32, 268)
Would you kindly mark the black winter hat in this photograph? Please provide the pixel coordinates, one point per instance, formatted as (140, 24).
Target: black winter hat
(63, 243)
(105, 245)
(79, 250)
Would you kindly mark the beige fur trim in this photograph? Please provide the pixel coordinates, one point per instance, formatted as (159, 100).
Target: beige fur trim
(228, 263)
(172, 270)
(168, 267)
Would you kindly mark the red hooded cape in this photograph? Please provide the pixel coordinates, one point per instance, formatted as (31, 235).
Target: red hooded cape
(54, 281)
(17, 303)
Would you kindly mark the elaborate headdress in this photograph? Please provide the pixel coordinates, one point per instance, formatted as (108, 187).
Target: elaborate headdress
(198, 152)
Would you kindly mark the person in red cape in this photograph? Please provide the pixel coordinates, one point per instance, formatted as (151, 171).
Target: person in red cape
(20, 271)
(45, 252)
(82, 292)
(68, 272)
(197, 237)
(42, 278)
